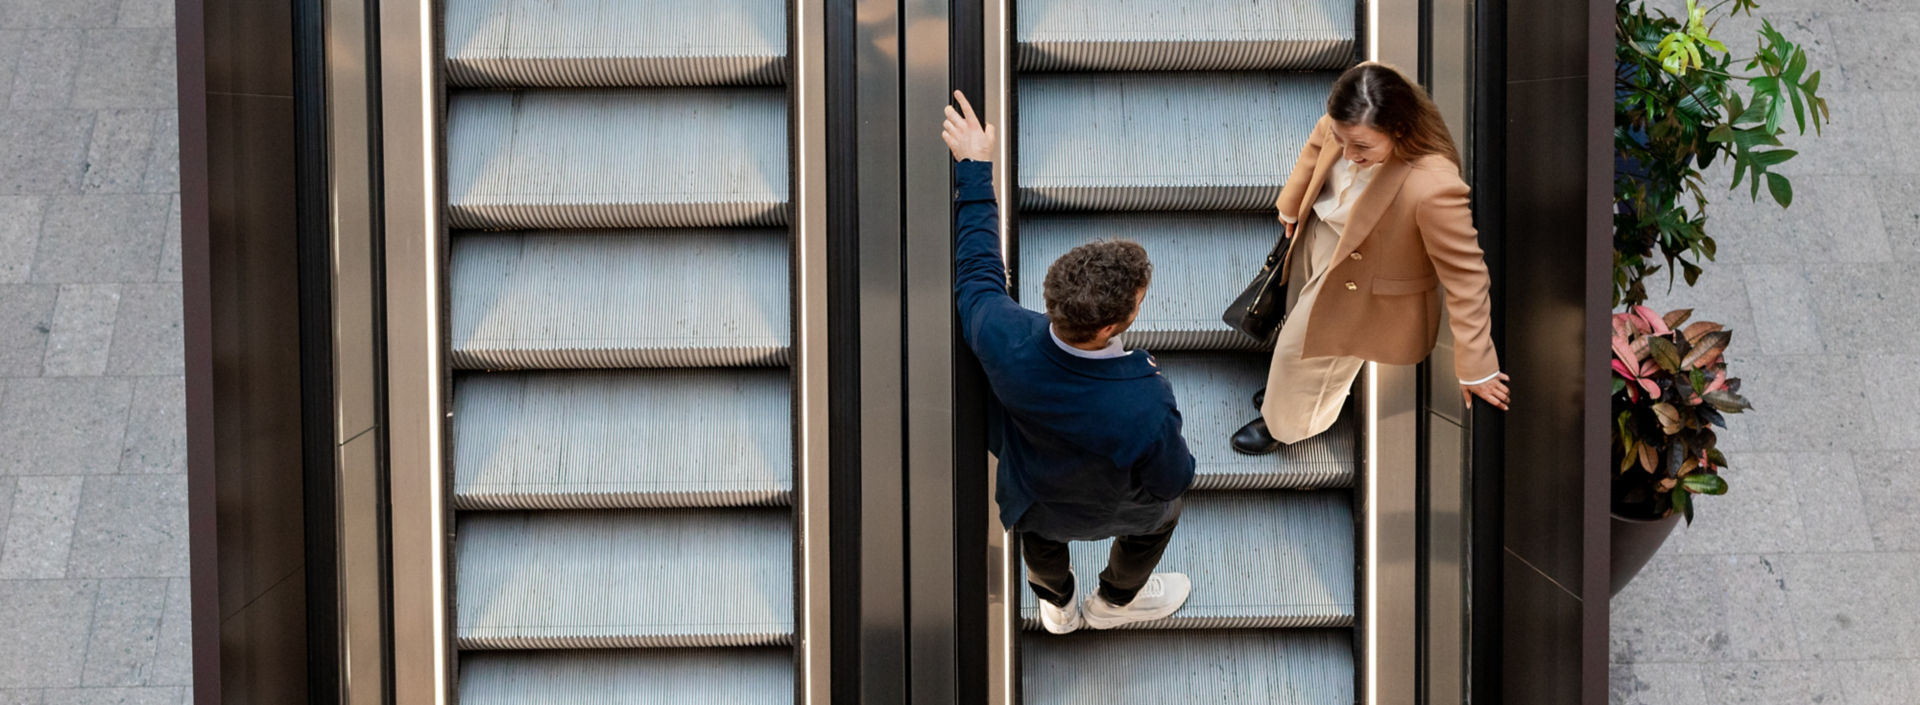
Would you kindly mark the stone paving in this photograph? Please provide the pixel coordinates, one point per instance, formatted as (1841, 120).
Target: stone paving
(93, 533)
(1803, 584)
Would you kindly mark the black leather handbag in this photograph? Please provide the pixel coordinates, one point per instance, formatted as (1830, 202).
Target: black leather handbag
(1259, 311)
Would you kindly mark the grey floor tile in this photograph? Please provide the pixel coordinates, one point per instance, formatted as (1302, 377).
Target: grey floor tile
(1832, 219)
(1721, 296)
(1759, 514)
(1784, 318)
(20, 696)
(113, 696)
(44, 72)
(1761, 684)
(1880, 53)
(1851, 606)
(19, 237)
(7, 486)
(1846, 144)
(12, 43)
(26, 319)
(83, 320)
(156, 427)
(173, 652)
(126, 632)
(40, 528)
(1828, 488)
(131, 526)
(170, 246)
(63, 426)
(1894, 392)
(127, 68)
(1747, 618)
(1871, 682)
(147, 340)
(66, 13)
(1899, 199)
(1890, 487)
(1866, 309)
(43, 151)
(43, 632)
(122, 144)
(1655, 684)
(1801, 402)
(163, 161)
(102, 238)
(145, 13)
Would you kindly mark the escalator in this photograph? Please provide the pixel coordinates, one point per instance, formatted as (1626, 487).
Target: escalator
(1173, 124)
(621, 323)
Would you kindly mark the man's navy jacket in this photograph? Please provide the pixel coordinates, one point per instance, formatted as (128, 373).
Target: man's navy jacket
(1088, 448)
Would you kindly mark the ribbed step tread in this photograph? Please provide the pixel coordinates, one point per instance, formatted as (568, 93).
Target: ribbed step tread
(1217, 668)
(1201, 261)
(660, 158)
(652, 439)
(1163, 141)
(1169, 35)
(1215, 391)
(655, 677)
(624, 579)
(615, 43)
(1257, 560)
(620, 299)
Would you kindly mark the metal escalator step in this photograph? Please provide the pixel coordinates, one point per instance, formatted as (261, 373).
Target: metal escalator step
(620, 299)
(615, 43)
(652, 677)
(1200, 262)
(660, 158)
(1167, 35)
(1163, 141)
(583, 440)
(624, 579)
(1215, 393)
(1219, 668)
(1257, 560)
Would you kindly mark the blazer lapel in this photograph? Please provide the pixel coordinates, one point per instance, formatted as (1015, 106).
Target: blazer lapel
(1329, 155)
(1373, 202)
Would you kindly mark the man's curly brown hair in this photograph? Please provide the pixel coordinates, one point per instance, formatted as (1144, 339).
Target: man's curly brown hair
(1093, 286)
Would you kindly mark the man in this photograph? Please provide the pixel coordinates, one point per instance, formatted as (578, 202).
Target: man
(1089, 440)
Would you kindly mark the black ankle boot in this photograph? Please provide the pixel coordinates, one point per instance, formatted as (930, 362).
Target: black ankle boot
(1259, 398)
(1253, 439)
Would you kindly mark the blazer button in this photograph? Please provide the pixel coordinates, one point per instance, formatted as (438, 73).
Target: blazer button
(1352, 286)
(1356, 256)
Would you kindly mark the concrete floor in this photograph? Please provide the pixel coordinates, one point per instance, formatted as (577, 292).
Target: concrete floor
(1803, 584)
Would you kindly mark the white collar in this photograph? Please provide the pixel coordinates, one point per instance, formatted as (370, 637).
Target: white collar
(1112, 350)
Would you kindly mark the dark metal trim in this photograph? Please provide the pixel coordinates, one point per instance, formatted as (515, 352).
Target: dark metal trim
(197, 331)
(843, 350)
(966, 67)
(314, 256)
(1486, 445)
(377, 244)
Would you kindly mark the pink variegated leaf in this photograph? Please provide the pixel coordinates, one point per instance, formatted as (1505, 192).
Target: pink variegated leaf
(1655, 321)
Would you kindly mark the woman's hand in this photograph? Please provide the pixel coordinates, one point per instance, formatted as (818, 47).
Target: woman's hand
(965, 136)
(1493, 390)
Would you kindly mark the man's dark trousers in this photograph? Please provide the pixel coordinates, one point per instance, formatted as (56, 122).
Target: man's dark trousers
(1129, 564)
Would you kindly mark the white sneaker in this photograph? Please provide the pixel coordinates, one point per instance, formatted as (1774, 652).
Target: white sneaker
(1062, 620)
(1163, 595)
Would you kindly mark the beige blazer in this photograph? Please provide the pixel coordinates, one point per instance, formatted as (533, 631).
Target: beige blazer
(1410, 231)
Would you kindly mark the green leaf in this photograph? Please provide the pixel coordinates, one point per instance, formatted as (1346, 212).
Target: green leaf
(1665, 354)
(1728, 402)
(1714, 456)
(1704, 483)
(1697, 379)
(1619, 385)
(1782, 190)
(1773, 157)
(1683, 503)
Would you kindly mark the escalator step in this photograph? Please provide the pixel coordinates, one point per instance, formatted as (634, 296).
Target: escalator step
(1200, 262)
(651, 677)
(1163, 141)
(615, 43)
(1257, 560)
(659, 158)
(583, 440)
(624, 579)
(1218, 668)
(620, 299)
(1215, 393)
(1170, 35)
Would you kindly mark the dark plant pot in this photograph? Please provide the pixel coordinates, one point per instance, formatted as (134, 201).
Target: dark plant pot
(1634, 543)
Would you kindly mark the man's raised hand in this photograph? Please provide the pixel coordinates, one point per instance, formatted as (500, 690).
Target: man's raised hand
(965, 136)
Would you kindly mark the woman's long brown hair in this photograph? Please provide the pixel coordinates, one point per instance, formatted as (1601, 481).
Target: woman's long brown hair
(1379, 96)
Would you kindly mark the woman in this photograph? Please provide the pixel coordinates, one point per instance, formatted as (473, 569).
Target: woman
(1382, 216)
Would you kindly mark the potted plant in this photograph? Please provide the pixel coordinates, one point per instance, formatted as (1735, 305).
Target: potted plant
(1670, 389)
(1680, 104)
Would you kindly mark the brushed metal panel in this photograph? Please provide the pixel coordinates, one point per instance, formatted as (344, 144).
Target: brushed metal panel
(615, 43)
(1148, 35)
(1218, 668)
(654, 677)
